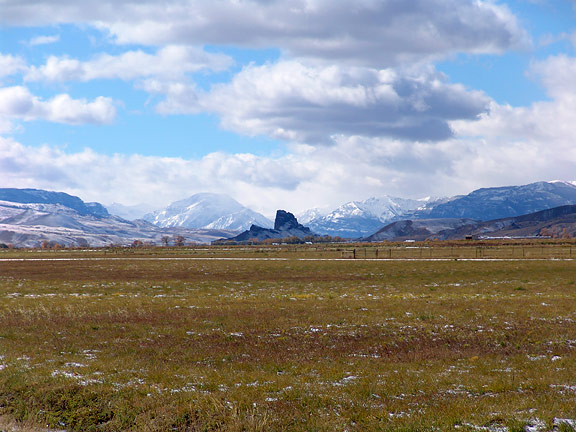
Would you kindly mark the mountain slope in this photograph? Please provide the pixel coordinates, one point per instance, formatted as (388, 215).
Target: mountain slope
(502, 202)
(30, 223)
(38, 196)
(555, 222)
(419, 229)
(360, 218)
(210, 211)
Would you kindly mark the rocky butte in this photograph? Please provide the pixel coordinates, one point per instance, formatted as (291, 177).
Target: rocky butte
(285, 226)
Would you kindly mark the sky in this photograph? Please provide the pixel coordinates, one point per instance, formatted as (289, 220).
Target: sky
(285, 104)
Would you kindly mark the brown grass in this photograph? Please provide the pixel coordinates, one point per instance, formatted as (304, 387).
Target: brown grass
(287, 345)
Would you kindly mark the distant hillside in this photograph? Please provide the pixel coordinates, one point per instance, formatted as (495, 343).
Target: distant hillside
(502, 202)
(419, 229)
(556, 222)
(38, 196)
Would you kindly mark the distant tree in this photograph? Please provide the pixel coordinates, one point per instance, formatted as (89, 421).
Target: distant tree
(179, 240)
(165, 240)
(45, 244)
(137, 244)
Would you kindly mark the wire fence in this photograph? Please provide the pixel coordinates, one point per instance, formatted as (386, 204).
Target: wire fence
(462, 252)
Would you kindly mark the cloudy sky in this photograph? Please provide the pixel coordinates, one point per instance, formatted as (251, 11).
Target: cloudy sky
(285, 104)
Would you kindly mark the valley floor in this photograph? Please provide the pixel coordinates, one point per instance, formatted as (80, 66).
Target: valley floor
(155, 341)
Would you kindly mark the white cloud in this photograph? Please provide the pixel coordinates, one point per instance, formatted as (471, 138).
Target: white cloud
(167, 62)
(11, 65)
(44, 40)
(18, 103)
(294, 102)
(558, 75)
(132, 179)
(376, 33)
(552, 122)
(529, 143)
(506, 146)
(390, 126)
(311, 176)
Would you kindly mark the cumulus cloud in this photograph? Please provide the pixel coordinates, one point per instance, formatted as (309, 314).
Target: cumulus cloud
(529, 143)
(375, 33)
(507, 145)
(11, 65)
(557, 74)
(18, 103)
(352, 74)
(552, 121)
(133, 179)
(294, 102)
(307, 178)
(310, 176)
(167, 62)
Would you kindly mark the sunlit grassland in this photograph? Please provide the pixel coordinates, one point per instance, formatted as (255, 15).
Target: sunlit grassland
(148, 345)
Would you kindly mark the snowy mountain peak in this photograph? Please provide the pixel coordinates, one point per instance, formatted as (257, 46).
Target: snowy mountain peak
(360, 218)
(207, 210)
(566, 182)
(311, 214)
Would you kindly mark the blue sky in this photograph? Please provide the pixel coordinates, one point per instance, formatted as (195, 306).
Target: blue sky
(294, 105)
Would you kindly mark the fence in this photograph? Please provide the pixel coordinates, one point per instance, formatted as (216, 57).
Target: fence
(463, 252)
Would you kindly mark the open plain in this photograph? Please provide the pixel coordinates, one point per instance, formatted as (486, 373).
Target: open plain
(403, 337)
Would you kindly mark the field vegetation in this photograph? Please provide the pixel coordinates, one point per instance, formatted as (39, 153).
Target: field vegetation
(457, 337)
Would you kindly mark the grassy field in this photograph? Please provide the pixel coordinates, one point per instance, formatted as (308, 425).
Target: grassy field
(128, 340)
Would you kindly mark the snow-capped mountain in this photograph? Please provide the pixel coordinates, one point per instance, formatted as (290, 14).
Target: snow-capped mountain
(31, 217)
(361, 218)
(209, 211)
(49, 198)
(503, 202)
(311, 214)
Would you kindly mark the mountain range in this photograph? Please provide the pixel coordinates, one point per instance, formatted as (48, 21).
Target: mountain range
(556, 222)
(362, 218)
(29, 217)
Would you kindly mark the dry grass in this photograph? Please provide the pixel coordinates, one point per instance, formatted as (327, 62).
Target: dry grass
(8, 424)
(145, 345)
